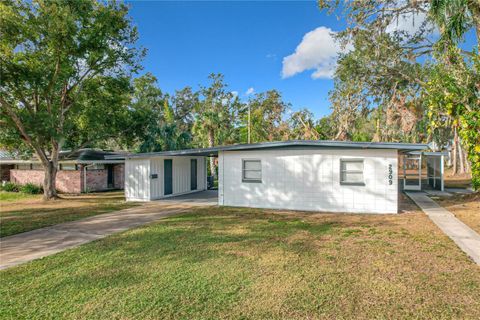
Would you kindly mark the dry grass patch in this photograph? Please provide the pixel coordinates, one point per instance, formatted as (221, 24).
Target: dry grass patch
(464, 207)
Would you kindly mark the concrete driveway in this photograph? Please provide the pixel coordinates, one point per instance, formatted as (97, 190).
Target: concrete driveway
(24, 247)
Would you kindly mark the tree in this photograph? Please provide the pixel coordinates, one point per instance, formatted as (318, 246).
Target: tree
(456, 17)
(65, 67)
(302, 125)
(264, 114)
(215, 116)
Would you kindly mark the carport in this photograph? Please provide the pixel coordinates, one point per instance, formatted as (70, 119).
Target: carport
(169, 175)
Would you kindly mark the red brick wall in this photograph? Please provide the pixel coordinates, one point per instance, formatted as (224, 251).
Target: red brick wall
(96, 180)
(119, 176)
(67, 181)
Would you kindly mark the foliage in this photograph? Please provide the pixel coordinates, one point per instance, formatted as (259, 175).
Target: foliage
(453, 99)
(266, 117)
(65, 69)
(31, 188)
(10, 187)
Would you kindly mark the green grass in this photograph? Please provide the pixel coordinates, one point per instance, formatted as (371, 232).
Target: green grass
(20, 213)
(15, 196)
(252, 264)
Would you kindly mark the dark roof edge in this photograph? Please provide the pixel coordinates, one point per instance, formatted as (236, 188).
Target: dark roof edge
(279, 144)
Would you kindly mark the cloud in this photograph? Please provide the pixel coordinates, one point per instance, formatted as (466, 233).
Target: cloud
(271, 56)
(249, 91)
(408, 22)
(234, 93)
(318, 50)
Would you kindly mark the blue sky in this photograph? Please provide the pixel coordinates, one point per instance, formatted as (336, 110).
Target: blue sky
(259, 44)
(246, 41)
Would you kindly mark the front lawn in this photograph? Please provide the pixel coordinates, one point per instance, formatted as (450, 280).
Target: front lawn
(464, 207)
(219, 263)
(21, 212)
(16, 196)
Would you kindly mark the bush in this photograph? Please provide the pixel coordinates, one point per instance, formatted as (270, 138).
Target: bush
(31, 188)
(10, 187)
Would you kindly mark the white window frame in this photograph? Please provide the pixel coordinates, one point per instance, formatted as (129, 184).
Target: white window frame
(250, 180)
(343, 171)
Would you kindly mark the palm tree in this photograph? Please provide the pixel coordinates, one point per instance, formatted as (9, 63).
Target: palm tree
(456, 17)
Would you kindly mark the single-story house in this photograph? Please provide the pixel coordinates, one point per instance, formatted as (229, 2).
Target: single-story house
(82, 171)
(298, 175)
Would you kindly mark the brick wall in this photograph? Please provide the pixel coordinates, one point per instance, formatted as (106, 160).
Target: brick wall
(96, 180)
(67, 181)
(119, 176)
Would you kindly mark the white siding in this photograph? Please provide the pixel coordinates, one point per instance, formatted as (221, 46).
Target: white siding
(140, 186)
(137, 179)
(310, 180)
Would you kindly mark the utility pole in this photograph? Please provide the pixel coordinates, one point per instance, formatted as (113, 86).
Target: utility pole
(248, 137)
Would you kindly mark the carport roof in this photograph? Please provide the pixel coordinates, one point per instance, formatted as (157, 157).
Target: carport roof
(403, 147)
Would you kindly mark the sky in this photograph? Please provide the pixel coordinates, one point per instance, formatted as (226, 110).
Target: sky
(257, 45)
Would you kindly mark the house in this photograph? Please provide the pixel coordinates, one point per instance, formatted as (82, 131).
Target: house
(329, 176)
(82, 171)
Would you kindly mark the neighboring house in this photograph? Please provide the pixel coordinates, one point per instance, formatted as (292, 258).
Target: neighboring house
(299, 175)
(82, 171)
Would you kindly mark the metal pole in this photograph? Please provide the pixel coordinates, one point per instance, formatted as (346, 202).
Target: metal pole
(248, 138)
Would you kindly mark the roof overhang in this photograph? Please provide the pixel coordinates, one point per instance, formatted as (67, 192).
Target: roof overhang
(212, 152)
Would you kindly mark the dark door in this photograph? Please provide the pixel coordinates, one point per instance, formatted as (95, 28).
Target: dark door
(110, 176)
(193, 174)
(167, 176)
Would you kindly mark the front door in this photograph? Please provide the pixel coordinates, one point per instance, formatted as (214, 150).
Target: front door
(167, 177)
(193, 174)
(110, 176)
(412, 172)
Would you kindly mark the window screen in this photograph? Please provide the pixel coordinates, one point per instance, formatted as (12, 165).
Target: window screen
(37, 166)
(251, 171)
(351, 172)
(68, 166)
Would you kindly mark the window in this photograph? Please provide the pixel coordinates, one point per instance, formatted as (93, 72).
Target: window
(23, 166)
(251, 171)
(96, 166)
(37, 166)
(68, 166)
(351, 172)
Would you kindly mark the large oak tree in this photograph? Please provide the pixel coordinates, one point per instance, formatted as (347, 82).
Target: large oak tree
(65, 68)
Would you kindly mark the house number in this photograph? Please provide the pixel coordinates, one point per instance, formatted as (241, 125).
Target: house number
(390, 174)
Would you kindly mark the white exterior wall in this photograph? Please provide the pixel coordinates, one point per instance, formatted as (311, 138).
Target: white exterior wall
(180, 176)
(137, 179)
(139, 186)
(310, 180)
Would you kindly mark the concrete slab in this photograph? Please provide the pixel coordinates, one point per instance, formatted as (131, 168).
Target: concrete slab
(207, 197)
(465, 238)
(24, 247)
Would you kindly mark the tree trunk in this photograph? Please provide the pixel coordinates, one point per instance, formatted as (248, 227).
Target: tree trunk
(211, 142)
(454, 151)
(461, 157)
(49, 190)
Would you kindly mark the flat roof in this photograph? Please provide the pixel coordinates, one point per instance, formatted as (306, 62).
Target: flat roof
(404, 147)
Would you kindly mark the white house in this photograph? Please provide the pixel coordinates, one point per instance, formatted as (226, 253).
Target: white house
(332, 176)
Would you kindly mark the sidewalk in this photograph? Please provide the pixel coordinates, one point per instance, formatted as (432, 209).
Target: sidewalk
(467, 239)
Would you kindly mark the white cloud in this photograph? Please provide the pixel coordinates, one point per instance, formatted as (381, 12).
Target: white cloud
(318, 50)
(408, 22)
(249, 91)
(234, 93)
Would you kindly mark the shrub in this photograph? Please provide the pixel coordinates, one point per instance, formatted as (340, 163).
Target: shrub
(31, 188)
(10, 187)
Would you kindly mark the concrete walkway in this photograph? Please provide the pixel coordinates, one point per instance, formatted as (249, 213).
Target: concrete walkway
(467, 239)
(27, 246)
